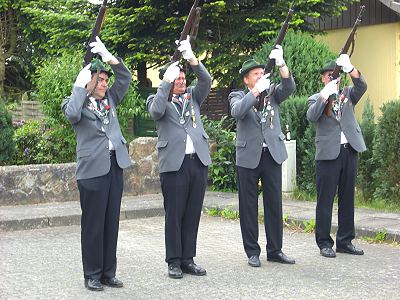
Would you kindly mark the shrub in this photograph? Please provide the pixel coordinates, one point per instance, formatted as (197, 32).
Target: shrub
(366, 167)
(293, 113)
(306, 161)
(7, 145)
(305, 56)
(40, 142)
(54, 81)
(222, 171)
(387, 152)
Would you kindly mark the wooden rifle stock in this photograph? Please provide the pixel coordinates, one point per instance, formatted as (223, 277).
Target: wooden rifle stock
(349, 42)
(186, 29)
(281, 36)
(190, 28)
(95, 32)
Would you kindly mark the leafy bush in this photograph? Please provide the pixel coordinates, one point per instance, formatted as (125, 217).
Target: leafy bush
(366, 167)
(40, 142)
(222, 171)
(7, 145)
(387, 152)
(293, 113)
(54, 81)
(306, 161)
(305, 56)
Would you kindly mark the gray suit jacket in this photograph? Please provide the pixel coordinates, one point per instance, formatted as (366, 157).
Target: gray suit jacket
(251, 133)
(93, 157)
(327, 140)
(171, 143)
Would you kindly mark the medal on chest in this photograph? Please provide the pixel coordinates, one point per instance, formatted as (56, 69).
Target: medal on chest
(267, 112)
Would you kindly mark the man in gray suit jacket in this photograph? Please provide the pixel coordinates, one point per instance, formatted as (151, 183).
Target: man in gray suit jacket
(338, 141)
(101, 155)
(183, 159)
(260, 152)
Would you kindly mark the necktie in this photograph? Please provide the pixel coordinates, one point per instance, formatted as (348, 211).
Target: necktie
(98, 101)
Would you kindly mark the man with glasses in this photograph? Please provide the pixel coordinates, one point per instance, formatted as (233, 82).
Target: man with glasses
(183, 155)
(338, 141)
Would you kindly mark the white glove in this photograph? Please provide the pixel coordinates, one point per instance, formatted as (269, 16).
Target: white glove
(329, 89)
(172, 72)
(344, 61)
(186, 49)
(83, 77)
(277, 54)
(98, 47)
(263, 83)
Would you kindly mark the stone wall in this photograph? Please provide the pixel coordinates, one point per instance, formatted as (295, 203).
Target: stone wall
(31, 184)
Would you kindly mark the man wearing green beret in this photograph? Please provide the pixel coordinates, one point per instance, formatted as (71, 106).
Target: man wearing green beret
(260, 152)
(338, 141)
(101, 157)
(183, 156)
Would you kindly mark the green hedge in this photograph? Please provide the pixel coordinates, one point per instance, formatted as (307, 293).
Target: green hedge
(304, 56)
(40, 142)
(293, 112)
(54, 137)
(222, 171)
(386, 153)
(7, 146)
(365, 182)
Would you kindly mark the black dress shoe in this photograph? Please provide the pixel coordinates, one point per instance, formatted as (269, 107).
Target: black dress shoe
(350, 249)
(193, 269)
(280, 257)
(112, 282)
(254, 261)
(327, 252)
(93, 284)
(175, 271)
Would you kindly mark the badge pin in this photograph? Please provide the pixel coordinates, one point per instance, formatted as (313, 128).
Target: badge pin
(194, 125)
(181, 120)
(263, 120)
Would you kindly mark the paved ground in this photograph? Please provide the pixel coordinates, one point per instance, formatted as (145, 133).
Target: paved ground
(45, 264)
(368, 222)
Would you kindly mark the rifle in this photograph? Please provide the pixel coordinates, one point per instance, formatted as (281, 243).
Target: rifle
(271, 62)
(191, 19)
(190, 28)
(349, 42)
(95, 32)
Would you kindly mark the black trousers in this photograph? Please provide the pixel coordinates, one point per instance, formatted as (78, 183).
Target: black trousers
(100, 199)
(270, 174)
(183, 193)
(336, 175)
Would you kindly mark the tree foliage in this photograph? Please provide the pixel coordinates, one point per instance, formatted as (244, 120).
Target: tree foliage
(144, 31)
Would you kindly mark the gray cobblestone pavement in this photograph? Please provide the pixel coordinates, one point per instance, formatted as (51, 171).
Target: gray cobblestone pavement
(46, 264)
(19, 217)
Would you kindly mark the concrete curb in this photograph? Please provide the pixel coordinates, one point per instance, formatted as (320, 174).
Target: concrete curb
(28, 217)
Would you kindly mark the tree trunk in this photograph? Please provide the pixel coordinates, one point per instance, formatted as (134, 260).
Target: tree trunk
(142, 74)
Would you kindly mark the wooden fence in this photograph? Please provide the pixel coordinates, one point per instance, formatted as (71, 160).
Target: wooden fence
(214, 107)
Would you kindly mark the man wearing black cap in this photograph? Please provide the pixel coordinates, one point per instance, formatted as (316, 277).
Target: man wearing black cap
(101, 155)
(260, 152)
(338, 141)
(183, 159)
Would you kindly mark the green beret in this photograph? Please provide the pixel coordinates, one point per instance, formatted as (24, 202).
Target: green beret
(249, 65)
(96, 65)
(328, 66)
